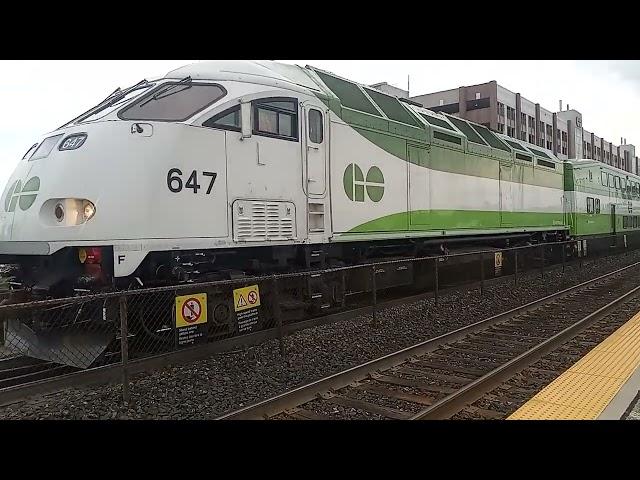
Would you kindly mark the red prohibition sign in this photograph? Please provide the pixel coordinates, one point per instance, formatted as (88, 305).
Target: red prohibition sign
(253, 297)
(191, 310)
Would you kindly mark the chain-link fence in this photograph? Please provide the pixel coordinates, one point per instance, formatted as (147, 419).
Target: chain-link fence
(115, 328)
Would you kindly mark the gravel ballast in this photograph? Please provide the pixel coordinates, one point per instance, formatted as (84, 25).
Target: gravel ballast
(207, 388)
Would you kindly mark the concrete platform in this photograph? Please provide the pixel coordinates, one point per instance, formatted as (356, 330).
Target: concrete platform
(603, 385)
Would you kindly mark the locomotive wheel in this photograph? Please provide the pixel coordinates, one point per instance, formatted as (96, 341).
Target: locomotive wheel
(152, 325)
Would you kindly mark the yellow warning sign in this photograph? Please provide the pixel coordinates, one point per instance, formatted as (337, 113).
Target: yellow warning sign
(191, 309)
(245, 298)
(498, 257)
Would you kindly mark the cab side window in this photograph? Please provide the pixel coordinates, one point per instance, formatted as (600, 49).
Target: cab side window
(276, 117)
(227, 120)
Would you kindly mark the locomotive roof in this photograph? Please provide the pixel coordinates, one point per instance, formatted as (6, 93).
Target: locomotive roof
(264, 70)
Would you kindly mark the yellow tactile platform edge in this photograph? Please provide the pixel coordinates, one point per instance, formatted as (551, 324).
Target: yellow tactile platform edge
(585, 389)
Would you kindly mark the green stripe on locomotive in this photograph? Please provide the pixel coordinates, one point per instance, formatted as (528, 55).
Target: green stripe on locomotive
(477, 220)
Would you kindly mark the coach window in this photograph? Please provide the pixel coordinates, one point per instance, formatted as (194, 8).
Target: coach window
(589, 205)
(603, 178)
(617, 183)
(227, 120)
(611, 182)
(315, 126)
(276, 117)
(597, 204)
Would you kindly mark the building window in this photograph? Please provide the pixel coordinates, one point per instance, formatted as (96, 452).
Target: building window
(441, 102)
(477, 95)
(532, 138)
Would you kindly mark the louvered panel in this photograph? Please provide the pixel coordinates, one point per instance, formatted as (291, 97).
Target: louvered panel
(255, 221)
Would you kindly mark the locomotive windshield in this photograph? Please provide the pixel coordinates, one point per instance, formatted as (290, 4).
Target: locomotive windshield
(116, 99)
(174, 101)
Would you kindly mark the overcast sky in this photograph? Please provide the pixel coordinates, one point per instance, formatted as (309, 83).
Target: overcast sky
(39, 96)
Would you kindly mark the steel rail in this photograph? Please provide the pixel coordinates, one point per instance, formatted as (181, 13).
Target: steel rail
(305, 393)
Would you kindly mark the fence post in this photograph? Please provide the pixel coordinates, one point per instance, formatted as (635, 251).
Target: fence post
(580, 254)
(374, 290)
(435, 271)
(516, 267)
(124, 349)
(482, 274)
(277, 313)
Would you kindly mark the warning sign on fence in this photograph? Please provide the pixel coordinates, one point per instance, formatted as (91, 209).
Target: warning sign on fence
(191, 319)
(246, 301)
(245, 298)
(191, 309)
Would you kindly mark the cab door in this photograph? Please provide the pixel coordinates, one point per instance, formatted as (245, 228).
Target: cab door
(315, 118)
(315, 152)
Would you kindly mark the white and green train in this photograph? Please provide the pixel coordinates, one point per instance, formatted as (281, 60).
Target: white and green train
(264, 166)
(221, 169)
(601, 200)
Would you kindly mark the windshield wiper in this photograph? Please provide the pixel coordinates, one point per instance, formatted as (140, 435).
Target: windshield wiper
(114, 97)
(119, 94)
(170, 90)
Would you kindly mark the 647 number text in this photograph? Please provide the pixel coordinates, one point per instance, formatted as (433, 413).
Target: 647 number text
(174, 180)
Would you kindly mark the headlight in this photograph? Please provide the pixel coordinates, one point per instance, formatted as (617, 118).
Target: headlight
(59, 212)
(89, 210)
(67, 212)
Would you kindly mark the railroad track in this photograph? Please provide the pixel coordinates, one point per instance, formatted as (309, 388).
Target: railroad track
(439, 378)
(19, 370)
(15, 383)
